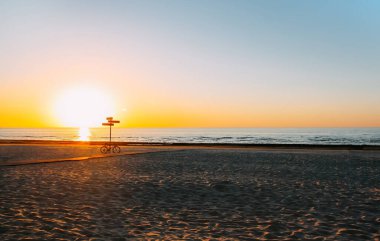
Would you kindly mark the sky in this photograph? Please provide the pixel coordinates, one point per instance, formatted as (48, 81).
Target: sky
(166, 63)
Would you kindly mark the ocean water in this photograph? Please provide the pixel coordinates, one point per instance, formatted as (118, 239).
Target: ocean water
(326, 136)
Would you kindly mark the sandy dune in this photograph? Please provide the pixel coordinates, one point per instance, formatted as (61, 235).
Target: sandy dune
(196, 194)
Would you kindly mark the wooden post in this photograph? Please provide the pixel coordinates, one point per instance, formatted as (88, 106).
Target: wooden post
(110, 123)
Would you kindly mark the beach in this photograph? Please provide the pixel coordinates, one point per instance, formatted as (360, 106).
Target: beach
(189, 193)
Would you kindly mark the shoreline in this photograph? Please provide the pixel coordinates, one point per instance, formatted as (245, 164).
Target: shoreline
(215, 145)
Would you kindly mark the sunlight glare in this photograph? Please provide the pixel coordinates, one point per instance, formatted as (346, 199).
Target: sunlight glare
(83, 107)
(84, 134)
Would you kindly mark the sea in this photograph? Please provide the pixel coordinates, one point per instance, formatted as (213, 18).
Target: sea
(319, 136)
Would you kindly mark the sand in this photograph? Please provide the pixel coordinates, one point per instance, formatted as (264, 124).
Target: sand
(20, 154)
(196, 194)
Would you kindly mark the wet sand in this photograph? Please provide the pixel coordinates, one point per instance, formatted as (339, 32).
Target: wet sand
(190, 194)
(21, 154)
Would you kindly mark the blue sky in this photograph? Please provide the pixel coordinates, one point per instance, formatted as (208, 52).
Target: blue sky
(243, 58)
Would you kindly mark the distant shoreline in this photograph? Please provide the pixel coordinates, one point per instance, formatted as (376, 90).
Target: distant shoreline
(221, 145)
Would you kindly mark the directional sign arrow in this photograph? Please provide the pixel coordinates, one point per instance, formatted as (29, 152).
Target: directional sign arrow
(110, 122)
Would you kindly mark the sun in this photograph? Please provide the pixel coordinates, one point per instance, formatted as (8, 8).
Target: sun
(83, 107)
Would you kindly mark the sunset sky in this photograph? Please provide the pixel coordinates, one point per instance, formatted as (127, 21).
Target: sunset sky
(190, 63)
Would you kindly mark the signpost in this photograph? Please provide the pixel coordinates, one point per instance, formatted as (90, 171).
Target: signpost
(111, 122)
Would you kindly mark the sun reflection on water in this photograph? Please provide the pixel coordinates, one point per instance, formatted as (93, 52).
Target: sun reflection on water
(84, 134)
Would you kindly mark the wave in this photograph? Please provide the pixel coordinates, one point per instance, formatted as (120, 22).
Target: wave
(327, 136)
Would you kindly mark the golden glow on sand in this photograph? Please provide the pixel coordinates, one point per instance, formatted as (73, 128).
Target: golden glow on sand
(83, 107)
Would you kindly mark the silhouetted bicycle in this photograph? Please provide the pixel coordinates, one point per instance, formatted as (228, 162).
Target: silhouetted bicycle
(107, 148)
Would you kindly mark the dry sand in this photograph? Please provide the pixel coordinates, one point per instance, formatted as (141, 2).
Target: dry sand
(230, 194)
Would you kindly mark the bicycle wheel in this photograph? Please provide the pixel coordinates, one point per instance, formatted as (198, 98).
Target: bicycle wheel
(116, 149)
(104, 149)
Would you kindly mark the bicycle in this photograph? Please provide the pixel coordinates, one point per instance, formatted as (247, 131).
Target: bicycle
(110, 148)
